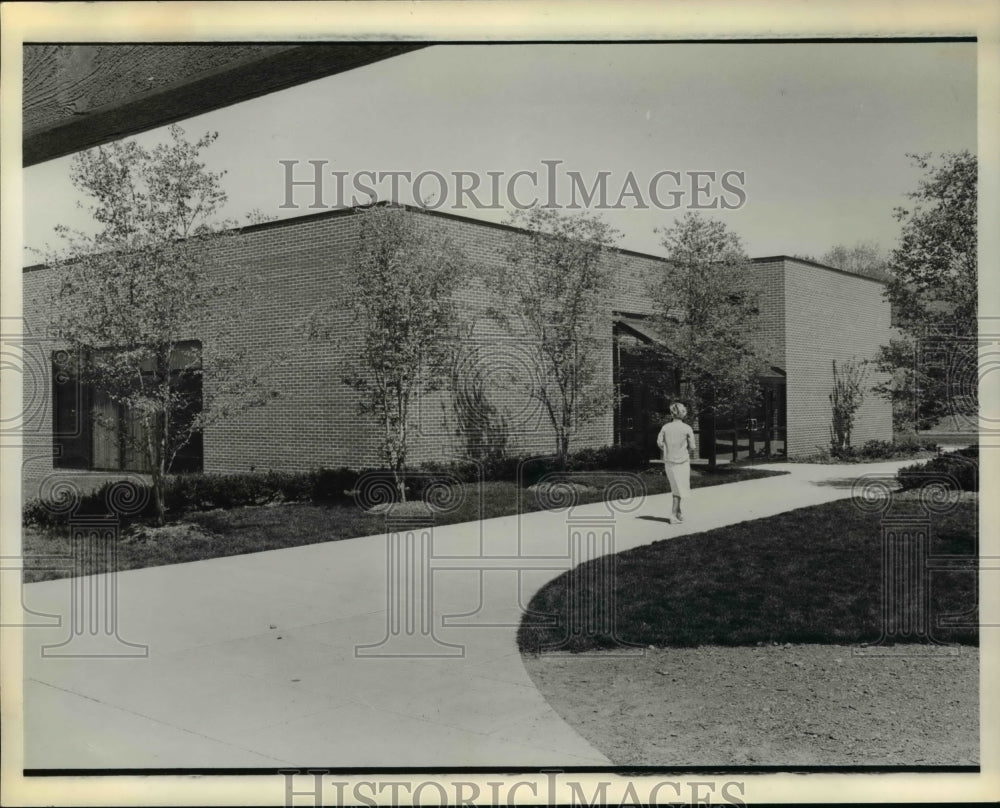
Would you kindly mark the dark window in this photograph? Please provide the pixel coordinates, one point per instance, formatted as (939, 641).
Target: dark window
(93, 431)
(71, 422)
(646, 383)
(758, 430)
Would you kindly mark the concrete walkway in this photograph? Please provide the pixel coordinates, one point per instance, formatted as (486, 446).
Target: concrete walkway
(252, 662)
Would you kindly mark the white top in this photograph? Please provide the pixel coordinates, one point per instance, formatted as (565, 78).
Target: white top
(676, 441)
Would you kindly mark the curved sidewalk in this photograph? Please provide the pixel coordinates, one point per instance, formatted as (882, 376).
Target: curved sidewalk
(252, 659)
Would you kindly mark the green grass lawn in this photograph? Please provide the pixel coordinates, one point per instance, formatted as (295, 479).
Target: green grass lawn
(198, 535)
(807, 576)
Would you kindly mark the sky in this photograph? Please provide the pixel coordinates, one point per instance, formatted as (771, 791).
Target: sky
(819, 132)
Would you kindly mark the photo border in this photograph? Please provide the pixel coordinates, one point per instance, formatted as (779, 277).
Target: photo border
(493, 22)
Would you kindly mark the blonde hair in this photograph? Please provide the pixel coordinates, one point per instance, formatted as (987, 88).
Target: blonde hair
(678, 410)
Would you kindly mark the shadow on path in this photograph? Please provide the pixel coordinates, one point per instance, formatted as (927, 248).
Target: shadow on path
(847, 483)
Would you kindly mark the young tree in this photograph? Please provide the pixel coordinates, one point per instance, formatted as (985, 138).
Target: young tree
(554, 281)
(146, 281)
(480, 423)
(402, 293)
(846, 397)
(707, 315)
(933, 292)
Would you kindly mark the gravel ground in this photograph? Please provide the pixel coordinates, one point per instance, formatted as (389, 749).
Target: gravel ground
(807, 705)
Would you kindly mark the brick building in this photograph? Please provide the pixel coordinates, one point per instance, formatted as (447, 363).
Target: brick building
(810, 315)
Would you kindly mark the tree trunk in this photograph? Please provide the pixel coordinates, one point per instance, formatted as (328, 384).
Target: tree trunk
(710, 423)
(158, 498)
(156, 470)
(562, 444)
(162, 422)
(159, 478)
(400, 480)
(158, 474)
(399, 471)
(712, 448)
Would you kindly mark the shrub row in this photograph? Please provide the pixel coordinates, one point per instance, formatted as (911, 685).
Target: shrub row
(958, 470)
(886, 450)
(528, 469)
(131, 501)
(134, 502)
(208, 491)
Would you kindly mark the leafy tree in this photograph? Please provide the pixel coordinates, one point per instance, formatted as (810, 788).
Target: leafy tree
(554, 280)
(402, 293)
(707, 314)
(933, 292)
(257, 216)
(863, 258)
(144, 282)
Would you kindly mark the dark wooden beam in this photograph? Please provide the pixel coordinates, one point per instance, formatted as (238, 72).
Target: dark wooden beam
(79, 96)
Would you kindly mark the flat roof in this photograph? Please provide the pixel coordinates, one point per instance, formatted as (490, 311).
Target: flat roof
(323, 214)
(514, 229)
(337, 212)
(877, 277)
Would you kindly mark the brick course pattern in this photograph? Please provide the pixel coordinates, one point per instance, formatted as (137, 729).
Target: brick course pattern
(831, 315)
(283, 270)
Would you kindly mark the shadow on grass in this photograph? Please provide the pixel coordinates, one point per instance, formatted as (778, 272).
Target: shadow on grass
(812, 575)
(847, 483)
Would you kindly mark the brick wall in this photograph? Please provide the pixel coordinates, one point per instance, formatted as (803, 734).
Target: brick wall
(498, 354)
(281, 271)
(767, 277)
(38, 288)
(830, 315)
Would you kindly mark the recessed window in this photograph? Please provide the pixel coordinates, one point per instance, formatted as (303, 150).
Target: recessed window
(93, 429)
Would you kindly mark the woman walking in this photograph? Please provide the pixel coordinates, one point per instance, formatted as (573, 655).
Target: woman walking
(676, 442)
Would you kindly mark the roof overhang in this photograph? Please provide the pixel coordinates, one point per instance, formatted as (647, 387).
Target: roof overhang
(641, 329)
(79, 96)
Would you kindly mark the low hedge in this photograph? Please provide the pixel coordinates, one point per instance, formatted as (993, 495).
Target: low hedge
(915, 443)
(133, 502)
(529, 469)
(208, 491)
(958, 470)
(885, 449)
